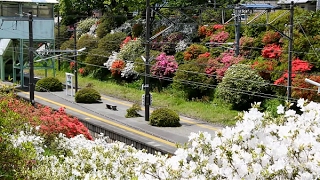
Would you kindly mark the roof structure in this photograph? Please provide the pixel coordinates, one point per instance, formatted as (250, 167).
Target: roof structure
(294, 1)
(257, 6)
(34, 1)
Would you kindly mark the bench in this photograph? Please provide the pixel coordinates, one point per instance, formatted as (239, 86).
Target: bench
(109, 106)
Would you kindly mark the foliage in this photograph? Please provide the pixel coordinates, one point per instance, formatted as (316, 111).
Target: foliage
(250, 47)
(139, 64)
(164, 117)
(116, 67)
(95, 59)
(128, 72)
(74, 10)
(87, 95)
(165, 66)
(85, 25)
(257, 147)
(50, 122)
(298, 66)
(131, 50)
(111, 42)
(64, 35)
(68, 44)
(171, 42)
(86, 41)
(302, 89)
(190, 79)
(218, 66)
(270, 106)
(265, 67)
(137, 30)
(193, 51)
(241, 86)
(208, 30)
(48, 84)
(219, 37)
(133, 111)
(181, 46)
(271, 51)
(271, 37)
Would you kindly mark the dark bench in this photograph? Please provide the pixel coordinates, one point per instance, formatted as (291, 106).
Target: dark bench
(109, 106)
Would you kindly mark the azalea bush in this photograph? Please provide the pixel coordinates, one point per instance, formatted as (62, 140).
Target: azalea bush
(241, 86)
(51, 122)
(271, 37)
(116, 67)
(271, 51)
(131, 50)
(219, 37)
(259, 146)
(85, 25)
(218, 66)
(165, 66)
(193, 51)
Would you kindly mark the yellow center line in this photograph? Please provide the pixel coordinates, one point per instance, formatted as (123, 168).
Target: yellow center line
(107, 121)
(182, 119)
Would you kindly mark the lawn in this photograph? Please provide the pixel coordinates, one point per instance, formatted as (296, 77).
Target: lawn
(216, 111)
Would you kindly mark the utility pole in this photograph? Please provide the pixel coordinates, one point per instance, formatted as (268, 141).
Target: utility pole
(31, 68)
(147, 66)
(289, 88)
(237, 29)
(75, 57)
(59, 40)
(30, 53)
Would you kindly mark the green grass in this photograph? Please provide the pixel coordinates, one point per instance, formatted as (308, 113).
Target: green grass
(216, 111)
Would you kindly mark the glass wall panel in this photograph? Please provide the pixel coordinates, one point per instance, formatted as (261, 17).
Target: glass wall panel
(9, 9)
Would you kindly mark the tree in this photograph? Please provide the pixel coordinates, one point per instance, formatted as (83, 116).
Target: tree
(74, 10)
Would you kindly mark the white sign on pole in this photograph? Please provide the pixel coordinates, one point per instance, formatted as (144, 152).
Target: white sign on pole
(69, 82)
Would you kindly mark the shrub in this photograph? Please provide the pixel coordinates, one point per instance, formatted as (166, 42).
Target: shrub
(241, 86)
(271, 37)
(96, 58)
(133, 111)
(112, 42)
(164, 117)
(116, 67)
(171, 42)
(85, 25)
(131, 50)
(218, 66)
(137, 30)
(69, 44)
(219, 37)
(49, 84)
(87, 41)
(270, 105)
(87, 95)
(271, 51)
(104, 26)
(192, 80)
(165, 66)
(193, 51)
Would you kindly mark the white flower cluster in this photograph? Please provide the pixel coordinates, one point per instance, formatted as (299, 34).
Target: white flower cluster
(28, 136)
(258, 147)
(125, 27)
(181, 46)
(111, 59)
(128, 71)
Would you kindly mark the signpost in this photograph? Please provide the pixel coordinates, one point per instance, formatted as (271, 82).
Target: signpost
(69, 82)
